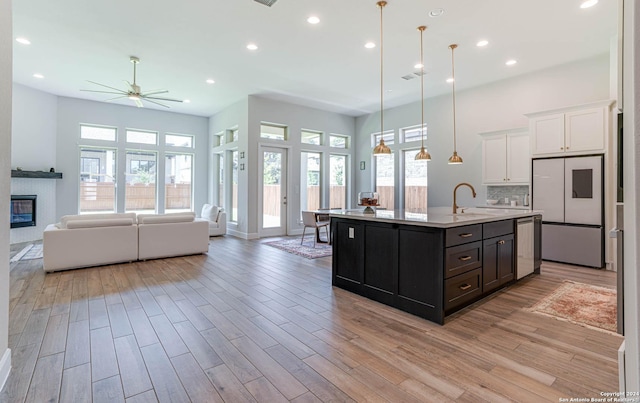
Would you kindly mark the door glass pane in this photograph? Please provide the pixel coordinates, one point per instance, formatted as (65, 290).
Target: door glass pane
(234, 186)
(140, 188)
(221, 180)
(271, 192)
(415, 181)
(310, 181)
(337, 181)
(177, 181)
(97, 180)
(273, 132)
(385, 180)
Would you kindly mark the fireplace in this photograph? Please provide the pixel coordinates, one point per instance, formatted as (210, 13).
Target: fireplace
(23, 211)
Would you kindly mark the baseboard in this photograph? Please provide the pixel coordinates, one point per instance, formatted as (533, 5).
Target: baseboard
(5, 367)
(242, 235)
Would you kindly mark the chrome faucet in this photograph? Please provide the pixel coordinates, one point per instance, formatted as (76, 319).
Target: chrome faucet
(473, 191)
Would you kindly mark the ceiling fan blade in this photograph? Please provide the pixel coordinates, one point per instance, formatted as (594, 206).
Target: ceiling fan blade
(139, 103)
(146, 94)
(102, 85)
(113, 99)
(157, 103)
(162, 99)
(105, 92)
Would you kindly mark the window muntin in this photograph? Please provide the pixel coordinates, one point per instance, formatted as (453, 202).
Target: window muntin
(141, 137)
(178, 181)
(97, 180)
(178, 140)
(310, 137)
(338, 141)
(98, 133)
(273, 132)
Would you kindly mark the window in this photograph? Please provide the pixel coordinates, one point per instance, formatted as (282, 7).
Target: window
(310, 180)
(338, 141)
(178, 194)
(338, 181)
(309, 137)
(388, 138)
(412, 134)
(140, 182)
(97, 133)
(415, 182)
(234, 186)
(221, 180)
(178, 140)
(141, 137)
(218, 139)
(97, 180)
(273, 132)
(385, 181)
(232, 135)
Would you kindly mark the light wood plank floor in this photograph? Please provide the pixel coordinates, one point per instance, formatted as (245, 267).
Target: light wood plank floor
(248, 322)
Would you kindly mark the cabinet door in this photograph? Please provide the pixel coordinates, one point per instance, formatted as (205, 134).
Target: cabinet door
(497, 262)
(547, 134)
(380, 262)
(348, 246)
(518, 158)
(585, 130)
(494, 159)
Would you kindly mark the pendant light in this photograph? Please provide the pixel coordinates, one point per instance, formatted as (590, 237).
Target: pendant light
(455, 159)
(381, 148)
(422, 155)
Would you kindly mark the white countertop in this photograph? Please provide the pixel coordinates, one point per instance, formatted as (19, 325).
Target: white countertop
(504, 206)
(439, 217)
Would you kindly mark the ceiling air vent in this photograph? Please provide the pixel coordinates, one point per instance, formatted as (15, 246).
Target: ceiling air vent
(408, 77)
(266, 2)
(420, 73)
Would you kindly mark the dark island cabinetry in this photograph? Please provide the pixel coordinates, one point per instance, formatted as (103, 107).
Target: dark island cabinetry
(429, 272)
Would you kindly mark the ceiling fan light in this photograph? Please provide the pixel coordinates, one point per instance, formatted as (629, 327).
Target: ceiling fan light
(134, 97)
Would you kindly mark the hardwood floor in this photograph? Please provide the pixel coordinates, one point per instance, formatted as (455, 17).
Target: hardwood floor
(248, 322)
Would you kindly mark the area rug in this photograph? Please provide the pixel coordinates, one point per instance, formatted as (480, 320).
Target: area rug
(583, 304)
(305, 250)
(29, 252)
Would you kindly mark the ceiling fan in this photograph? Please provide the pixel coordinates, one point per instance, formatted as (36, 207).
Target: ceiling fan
(134, 92)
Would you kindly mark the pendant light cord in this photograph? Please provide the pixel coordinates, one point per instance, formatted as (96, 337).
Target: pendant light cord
(381, 4)
(422, 28)
(453, 87)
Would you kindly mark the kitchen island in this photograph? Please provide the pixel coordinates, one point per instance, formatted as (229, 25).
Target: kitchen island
(429, 264)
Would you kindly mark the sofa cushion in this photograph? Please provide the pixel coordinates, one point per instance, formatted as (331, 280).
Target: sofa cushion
(166, 218)
(103, 216)
(111, 222)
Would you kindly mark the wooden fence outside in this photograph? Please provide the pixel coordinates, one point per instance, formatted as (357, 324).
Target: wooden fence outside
(100, 196)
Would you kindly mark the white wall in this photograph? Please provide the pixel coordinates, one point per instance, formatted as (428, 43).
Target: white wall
(6, 42)
(34, 122)
(496, 106)
(72, 112)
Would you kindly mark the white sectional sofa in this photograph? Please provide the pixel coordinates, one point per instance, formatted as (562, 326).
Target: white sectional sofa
(99, 239)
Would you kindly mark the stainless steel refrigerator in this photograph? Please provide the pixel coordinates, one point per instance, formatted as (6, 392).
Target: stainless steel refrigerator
(569, 192)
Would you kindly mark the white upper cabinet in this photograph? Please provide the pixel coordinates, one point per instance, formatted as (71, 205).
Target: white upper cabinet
(575, 130)
(505, 157)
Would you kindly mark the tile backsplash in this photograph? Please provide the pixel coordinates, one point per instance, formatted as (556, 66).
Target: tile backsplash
(499, 193)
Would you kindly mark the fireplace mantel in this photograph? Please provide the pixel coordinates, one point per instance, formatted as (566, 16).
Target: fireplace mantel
(36, 174)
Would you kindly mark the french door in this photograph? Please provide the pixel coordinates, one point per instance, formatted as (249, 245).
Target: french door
(273, 183)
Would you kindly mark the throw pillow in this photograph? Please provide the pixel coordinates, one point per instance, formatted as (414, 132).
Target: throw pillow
(206, 212)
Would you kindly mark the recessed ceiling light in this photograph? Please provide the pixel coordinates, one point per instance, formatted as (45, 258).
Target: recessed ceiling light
(436, 12)
(369, 45)
(38, 75)
(511, 62)
(450, 80)
(186, 101)
(252, 46)
(313, 20)
(210, 81)
(588, 3)
(418, 66)
(23, 41)
(482, 43)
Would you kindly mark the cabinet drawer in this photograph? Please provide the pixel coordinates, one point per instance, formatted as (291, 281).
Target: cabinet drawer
(497, 228)
(463, 288)
(459, 235)
(462, 258)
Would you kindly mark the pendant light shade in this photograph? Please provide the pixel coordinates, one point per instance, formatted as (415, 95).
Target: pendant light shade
(455, 158)
(422, 155)
(381, 148)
